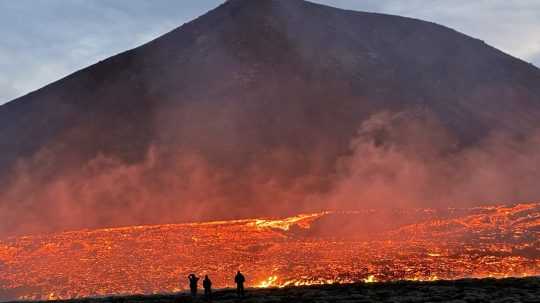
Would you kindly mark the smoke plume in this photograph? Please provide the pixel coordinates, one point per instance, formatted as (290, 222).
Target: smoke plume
(396, 160)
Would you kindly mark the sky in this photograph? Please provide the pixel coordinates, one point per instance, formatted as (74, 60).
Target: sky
(45, 40)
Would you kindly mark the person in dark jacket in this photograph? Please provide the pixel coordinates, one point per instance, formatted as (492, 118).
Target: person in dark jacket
(193, 281)
(207, 285)
(239, 279)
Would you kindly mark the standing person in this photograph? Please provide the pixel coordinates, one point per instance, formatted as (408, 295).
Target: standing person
(207, 285)
(193, 280)
(239, 279)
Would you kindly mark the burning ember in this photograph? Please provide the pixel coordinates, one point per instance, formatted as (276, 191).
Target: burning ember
(328, 247)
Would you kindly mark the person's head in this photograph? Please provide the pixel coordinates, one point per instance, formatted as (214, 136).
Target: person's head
(238, 272)
(206, 276)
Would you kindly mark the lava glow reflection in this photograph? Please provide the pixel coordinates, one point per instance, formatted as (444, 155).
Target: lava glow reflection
(321, 248)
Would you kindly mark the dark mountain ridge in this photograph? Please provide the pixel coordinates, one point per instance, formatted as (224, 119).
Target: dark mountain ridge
(256, 93)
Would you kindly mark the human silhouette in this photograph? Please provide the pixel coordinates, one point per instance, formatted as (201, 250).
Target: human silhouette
(239, 279)
(193, 280)
(207, 285)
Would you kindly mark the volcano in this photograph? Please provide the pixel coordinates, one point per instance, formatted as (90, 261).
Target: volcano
(257, 108)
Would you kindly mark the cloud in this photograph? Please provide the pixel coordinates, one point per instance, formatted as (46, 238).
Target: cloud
(7, 88)
(43, 41)
(512, 26)
(536, 59)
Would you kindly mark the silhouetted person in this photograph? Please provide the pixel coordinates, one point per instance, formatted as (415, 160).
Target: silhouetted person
(207, 285)
(239, 279)
(193, 280)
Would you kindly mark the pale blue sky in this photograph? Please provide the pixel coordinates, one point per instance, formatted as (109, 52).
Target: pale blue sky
(45, 40)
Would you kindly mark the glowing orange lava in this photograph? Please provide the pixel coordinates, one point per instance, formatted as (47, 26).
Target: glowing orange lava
(321, 248)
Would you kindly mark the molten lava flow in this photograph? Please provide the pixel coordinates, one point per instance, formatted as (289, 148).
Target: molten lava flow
(302, 221)
(497, 241)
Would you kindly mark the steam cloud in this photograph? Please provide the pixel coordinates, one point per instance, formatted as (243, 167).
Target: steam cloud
(406, 159)
(411, 160)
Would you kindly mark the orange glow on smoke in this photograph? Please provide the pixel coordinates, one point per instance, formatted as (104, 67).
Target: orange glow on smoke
(478, 242)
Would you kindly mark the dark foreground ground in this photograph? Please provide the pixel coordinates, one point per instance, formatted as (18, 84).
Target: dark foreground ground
(468, 290)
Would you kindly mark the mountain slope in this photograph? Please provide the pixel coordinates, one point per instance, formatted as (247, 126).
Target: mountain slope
(255, 101)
